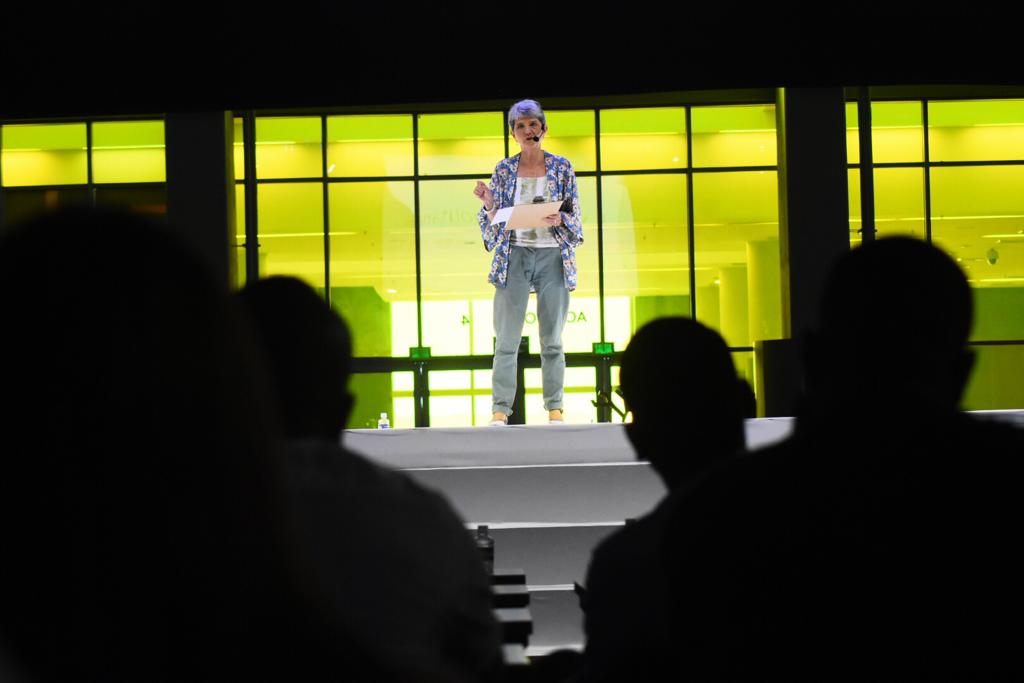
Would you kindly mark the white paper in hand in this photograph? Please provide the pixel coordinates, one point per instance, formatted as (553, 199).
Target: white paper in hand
(502, 215)
(526, 215)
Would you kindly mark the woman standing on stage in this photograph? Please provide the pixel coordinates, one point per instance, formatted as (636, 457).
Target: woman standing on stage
(539, 259)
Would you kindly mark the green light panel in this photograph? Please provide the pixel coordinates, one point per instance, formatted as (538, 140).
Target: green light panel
(239, 244)
(291, 227)
(452, 403)
(852, 134)
(978, 218)
(976, 130)
(577, 396)
(288, 147)
(645, 252)
(993, 384)
(373, 262)
(381, 392)
(363, 146)
(635, 139)
(454, 267)
(899, 203)
(44, 154)
(128, 152)
(238, 148)
(736, 248)
(587, 276)
(897, 132)
(734, 136)
(853, 204)
(453, 260)
(461, 143)
(571, 135)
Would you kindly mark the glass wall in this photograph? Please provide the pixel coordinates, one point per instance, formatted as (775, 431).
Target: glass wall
(44, 166)
(377, 212)
(680, 215)
(950, 171)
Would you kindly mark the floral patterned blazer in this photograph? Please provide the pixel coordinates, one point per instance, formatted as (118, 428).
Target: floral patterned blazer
(561, 185)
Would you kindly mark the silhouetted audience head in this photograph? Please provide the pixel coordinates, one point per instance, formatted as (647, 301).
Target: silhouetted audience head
(309, 353)
(140, 501)
(895, 318)
(678, 379)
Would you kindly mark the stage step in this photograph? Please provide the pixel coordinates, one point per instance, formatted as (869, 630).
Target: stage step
(557, 622)
(565, 494)
(549, 493)
(429, 447)
(554, 555)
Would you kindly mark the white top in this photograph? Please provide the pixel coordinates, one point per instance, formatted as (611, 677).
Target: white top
(527, 189)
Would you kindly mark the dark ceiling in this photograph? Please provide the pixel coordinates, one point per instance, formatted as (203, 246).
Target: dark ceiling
(154, 57)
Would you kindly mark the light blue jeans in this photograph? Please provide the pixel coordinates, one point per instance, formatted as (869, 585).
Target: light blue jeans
(542, 268)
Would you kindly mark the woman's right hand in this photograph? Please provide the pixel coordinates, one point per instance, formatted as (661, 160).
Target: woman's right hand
(484, 194)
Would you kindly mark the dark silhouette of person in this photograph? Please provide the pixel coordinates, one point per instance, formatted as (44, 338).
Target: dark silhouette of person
(141, 498)
(403, 572)
(878, 541)
(678, 379)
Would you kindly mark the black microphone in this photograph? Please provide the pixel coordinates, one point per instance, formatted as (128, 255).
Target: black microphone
(536, 138)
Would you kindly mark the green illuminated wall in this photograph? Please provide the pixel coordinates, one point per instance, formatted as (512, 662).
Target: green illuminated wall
(44, 154)
(44, 166)
(342, 198)
(685, 200)
(948, 172)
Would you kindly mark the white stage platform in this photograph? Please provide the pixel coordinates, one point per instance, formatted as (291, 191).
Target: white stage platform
(550, 493)
(519, 445)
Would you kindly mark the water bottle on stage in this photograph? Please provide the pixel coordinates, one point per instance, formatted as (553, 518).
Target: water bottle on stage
(485, 544)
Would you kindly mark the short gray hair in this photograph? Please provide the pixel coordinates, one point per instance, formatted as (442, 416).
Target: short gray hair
(528, 108)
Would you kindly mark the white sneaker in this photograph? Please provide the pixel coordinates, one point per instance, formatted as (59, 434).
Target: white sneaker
(498, 423)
